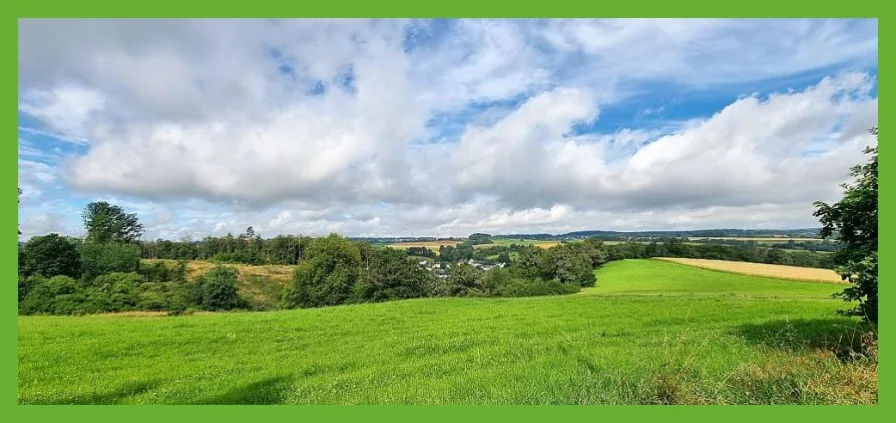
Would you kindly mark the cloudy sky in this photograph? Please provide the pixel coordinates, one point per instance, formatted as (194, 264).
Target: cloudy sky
(438, 128)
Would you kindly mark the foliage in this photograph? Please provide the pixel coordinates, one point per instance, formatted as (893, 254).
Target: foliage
(327, 276)
(98, 259)
(463, 280)
(217, 290)
(421, 251)
(392, 275)
(105, 222)
(50, 255)
(854, 218)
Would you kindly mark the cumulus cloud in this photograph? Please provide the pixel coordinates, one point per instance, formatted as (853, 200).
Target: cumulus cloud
(328, 125)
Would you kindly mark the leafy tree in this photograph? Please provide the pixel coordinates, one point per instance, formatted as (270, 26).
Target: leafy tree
(19, 201)
(99, 259)
(217, 290)
(573, 266)
(854, 217)
(392, 275)
(50, 255)
(327, 275)
(463, 280)
(105, 222)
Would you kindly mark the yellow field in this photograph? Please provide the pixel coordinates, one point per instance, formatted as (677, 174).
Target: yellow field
(432, 245)
(762, 269)
(278, 273)
(504, 243)
(760, 239)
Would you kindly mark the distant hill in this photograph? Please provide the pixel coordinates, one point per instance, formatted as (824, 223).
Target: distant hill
(624, 236)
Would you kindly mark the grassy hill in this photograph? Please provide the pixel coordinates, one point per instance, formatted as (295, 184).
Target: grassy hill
(650, 332)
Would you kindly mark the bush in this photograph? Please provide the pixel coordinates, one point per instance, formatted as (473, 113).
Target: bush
(217, 290)
(100, 259)
(50, 255)
(533, 288)
(57, 295)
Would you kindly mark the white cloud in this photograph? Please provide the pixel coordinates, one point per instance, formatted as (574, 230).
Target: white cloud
(307, 125)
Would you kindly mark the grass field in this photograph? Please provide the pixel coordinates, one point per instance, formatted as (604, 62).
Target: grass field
(650, 332)
(762, 269)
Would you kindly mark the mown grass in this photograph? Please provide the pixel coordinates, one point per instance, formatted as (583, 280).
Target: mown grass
(651, 332)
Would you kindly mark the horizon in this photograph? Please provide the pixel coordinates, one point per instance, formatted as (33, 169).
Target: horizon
(443, 128)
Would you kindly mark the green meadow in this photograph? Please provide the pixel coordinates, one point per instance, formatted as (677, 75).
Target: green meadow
(650, 332)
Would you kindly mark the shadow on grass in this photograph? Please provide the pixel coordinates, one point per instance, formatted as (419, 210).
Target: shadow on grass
(101, 398)
(842, 336)
(268, 391)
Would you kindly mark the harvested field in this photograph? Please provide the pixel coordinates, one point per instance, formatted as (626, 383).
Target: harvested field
(762, 269)
(432, 245)
(758, 239)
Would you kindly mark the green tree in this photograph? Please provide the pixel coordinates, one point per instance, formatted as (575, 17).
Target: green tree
(573, 266)
(327, 275)
(854, 219)
(463, 280)
(50, 255)
(99, 259)
(392, 275)
(105, 222)
(20, 200)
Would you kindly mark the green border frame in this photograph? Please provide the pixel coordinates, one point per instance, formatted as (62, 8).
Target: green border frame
(400, 8)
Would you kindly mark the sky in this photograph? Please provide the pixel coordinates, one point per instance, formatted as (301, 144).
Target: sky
(441, 127)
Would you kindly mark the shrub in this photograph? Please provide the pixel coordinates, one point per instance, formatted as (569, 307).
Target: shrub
(56, 295)
(217, 290)
(533, 288)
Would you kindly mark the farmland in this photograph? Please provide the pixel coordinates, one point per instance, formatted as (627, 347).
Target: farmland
(432, 245)
(501, 241)
(762, 269)
(650, 332)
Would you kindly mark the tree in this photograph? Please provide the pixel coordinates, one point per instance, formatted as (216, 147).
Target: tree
(463, 279)
(105, 222)
(20, 201)
(99, 259)
(50, 255)
(327, 275)
(392, 275)
(854, 218)
(573, 266)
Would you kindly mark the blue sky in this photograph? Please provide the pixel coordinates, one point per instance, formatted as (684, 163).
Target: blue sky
(447, 127)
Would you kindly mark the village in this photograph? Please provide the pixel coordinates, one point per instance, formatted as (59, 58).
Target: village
(441, 269)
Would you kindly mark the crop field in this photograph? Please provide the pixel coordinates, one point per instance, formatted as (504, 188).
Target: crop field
(511, 241)
(760, 240)
(432, 245)
(650, 332)
(762, 269)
